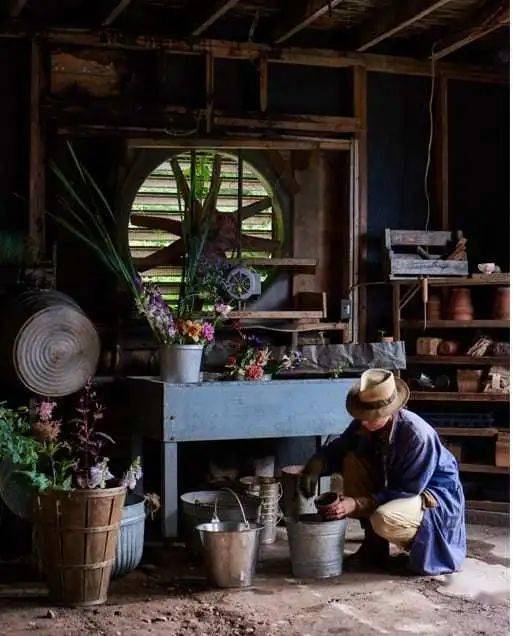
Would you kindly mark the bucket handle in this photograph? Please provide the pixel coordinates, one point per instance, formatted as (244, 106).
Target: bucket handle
(215, 518)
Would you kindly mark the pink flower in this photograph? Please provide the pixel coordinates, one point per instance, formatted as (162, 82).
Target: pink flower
(208, 331)
(254, 372)
(222, 309)
(45, 409)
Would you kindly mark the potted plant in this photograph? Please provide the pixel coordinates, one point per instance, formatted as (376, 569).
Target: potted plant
(86, 213)
(78, 503)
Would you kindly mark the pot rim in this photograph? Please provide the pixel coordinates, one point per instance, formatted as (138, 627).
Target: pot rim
(182, 346)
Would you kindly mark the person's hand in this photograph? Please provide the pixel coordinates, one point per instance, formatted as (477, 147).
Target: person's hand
(308, 483)
(341, 509)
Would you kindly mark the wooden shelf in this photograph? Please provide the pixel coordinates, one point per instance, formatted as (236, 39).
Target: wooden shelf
(474, 361)
(455, 324)
(454, 396)
(459, 281)
(303, 264)
(461, 431)
(483, 468)
(283, 314)
(303, 327)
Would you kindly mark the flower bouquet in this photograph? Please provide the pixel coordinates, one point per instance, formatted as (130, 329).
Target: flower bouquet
(254, 362)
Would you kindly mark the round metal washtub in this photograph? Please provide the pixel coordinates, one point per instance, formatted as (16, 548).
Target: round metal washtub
(230, 549)
(316, 547)
(198, 507)
(129, 549)
(48, 342)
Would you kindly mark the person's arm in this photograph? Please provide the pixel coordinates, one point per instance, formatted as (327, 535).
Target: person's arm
(326, 461)
(418, 464)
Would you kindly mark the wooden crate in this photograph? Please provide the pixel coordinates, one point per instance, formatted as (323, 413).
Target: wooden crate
(410, 262)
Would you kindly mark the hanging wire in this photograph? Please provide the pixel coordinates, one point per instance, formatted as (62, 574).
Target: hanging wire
(430, 143)
(254, 25)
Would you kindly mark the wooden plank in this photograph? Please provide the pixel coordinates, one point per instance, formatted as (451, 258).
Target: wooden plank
(483, 468)
(263, 76)
(302, 327)
(455, 324)
(492, 17)
(16, 7)
(250, 50)
(284, 263)
(476, 361)
(299, 14)
(319, 123)
(491, 506)
(116, 11)
(285, 314)
(451, 281)
(448, 396)
(37, 190)
(360, 112)
(215, 11)
(395, 17)
(209, 89)
(413, 238)
(246, 142)
(456, 431)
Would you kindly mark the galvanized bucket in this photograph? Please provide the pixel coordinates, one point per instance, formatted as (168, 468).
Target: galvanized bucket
(198, 507)
(316, 547)
(270, 491)
(230, 549)
(129, 549)
(180, 364)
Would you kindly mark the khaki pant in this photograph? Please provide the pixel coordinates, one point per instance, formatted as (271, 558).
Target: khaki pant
(398, 520)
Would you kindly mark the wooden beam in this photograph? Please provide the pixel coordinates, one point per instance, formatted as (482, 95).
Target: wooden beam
(250, 51)
(299, 14)
(37, 158)
(263, 83)
(318, 123)
(116, 12)
(393, 19)
(213, 14)
(491, 18)
(360, 112)
(16, 7)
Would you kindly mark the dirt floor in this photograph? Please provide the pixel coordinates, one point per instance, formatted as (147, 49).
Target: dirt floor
(168, 595)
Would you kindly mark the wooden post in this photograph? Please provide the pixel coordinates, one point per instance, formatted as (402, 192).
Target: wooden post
(37, 157)
(360, 112)
(396, 310)
(209, 62)
(264, 83)
(442, 154)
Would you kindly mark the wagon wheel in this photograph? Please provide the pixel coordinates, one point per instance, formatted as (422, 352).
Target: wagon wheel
(223, 235)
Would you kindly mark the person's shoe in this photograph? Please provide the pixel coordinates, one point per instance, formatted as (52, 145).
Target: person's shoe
(373, 554)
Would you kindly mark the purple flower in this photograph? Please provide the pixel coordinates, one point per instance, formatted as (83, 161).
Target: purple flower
(222, 309)
(208, 331)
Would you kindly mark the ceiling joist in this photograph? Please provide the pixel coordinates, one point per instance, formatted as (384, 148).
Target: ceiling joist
(219, 8)
(300, 14)
(395, 18)
(116, 12)
(491, 18)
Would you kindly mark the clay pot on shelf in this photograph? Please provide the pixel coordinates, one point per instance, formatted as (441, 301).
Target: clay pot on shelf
(434, 307)
(460, 304)
(448, 348)
(501, 304)
(502, 450)
(427, 346)
(469, 380)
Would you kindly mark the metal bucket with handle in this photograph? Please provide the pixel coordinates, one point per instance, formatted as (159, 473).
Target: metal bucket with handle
(230, 548)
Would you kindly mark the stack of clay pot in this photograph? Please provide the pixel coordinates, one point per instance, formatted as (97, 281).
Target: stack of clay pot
(460, 304)
(434, 307)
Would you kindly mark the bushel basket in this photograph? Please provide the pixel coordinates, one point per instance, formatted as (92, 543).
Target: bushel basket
(77, 534)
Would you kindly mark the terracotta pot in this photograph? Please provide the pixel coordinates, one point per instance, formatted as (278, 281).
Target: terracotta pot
(427, 346)
(434, 307)
(460, 304)
(502, 450)
(469, 380)
(448, 348)
(501, 304)
(327, 503)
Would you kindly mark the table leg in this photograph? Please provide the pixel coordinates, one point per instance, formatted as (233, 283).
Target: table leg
(169, 489)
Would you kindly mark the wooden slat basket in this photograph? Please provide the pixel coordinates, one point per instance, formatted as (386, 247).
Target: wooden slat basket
(77, 535)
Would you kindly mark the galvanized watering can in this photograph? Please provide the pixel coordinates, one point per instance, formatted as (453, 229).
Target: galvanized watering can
(230, 548)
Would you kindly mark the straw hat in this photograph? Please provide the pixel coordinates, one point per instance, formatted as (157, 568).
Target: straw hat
(377, 394)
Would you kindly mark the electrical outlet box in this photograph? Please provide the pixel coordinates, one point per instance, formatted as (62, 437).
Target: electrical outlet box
(345, 309)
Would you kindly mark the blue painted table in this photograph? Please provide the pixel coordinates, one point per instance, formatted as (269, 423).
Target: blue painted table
(174, 413)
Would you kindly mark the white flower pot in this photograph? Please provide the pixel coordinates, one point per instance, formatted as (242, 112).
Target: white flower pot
(180, 364)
